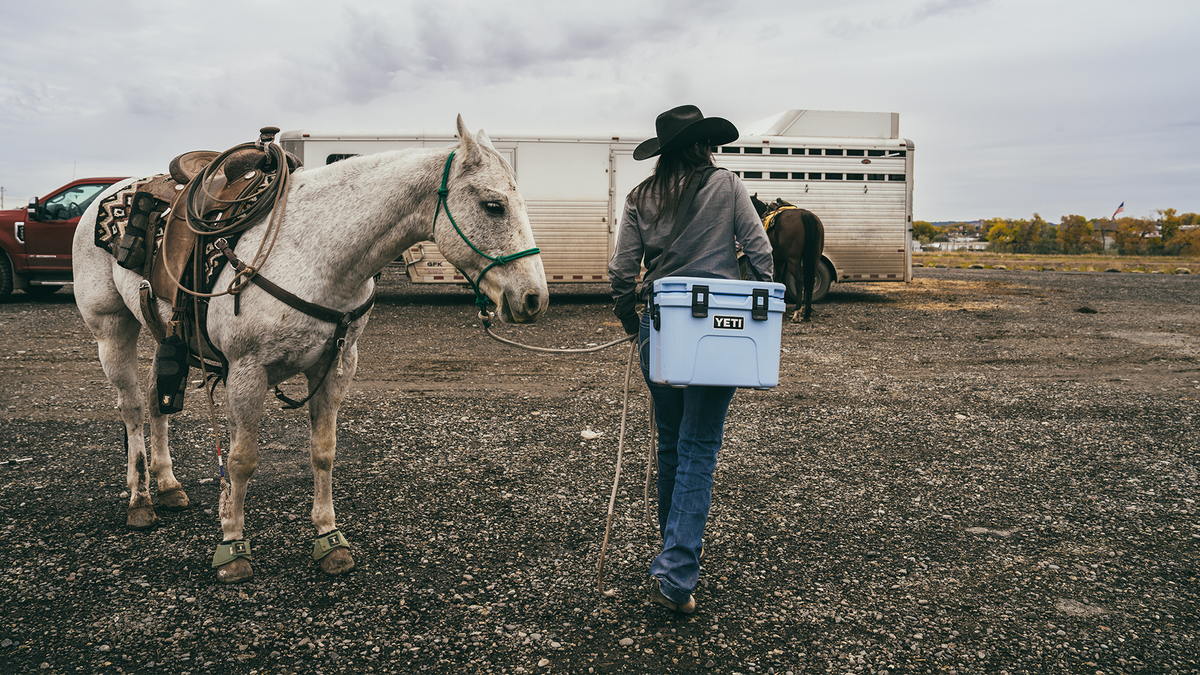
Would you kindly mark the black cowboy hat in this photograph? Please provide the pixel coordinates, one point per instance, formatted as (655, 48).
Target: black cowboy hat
(683, 125)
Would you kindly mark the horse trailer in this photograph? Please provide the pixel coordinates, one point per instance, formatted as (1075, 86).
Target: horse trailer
(850, 168)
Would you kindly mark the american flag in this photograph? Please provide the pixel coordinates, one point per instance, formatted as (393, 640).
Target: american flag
(1119, 210)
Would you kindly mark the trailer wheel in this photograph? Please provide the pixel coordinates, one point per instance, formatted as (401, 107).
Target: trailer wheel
(6, 276)
(821, 285)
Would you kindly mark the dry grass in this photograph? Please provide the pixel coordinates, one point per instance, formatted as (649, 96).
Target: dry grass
(1079, 263)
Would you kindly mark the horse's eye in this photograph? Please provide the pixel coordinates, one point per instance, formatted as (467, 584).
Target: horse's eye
(494, 208)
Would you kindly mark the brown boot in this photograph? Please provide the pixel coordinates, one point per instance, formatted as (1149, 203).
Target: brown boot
(658, 598)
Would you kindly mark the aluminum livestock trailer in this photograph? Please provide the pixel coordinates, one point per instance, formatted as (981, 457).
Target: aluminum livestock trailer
(851, 169)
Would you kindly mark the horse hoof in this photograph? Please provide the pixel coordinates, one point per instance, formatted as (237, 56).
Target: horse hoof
(235, 571)
(173, 500)
(339, 561)
(141, 518)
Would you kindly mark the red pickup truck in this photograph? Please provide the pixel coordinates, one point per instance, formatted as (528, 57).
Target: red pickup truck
(35, 241)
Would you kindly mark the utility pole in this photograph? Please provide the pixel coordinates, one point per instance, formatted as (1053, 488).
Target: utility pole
(1, 198)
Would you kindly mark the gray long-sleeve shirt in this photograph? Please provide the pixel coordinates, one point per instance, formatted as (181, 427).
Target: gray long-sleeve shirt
(720, 214)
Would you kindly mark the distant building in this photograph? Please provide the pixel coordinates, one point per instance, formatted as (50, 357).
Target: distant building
(960, 244)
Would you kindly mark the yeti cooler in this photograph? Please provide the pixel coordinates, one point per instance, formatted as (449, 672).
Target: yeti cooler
(715, 332)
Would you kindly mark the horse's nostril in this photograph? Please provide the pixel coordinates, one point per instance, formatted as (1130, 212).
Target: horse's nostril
(533, 302)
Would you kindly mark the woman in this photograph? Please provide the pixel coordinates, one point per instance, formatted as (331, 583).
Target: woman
(691, 421)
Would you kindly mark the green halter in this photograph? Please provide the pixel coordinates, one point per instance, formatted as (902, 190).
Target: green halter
(481, 300)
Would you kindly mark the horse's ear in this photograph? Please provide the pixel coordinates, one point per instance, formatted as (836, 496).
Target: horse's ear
(482, 139)
(470, 150)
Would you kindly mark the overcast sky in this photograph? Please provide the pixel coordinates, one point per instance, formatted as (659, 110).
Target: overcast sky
(1014, 106)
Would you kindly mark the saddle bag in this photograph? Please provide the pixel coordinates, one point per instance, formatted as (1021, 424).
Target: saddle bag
(170, 373)
(715, 332)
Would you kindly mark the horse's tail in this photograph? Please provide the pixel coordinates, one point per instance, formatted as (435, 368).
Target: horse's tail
(814, 240)
(810, 256)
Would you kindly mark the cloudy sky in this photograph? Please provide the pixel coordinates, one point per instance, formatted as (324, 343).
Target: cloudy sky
(1015, 106)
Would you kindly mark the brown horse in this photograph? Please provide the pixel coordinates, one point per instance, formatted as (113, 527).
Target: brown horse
(797, 241)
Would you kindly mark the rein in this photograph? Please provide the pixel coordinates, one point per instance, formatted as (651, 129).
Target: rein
(481, 300)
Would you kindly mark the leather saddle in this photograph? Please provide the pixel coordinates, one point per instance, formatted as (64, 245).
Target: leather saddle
(224, 193)
(159, 242)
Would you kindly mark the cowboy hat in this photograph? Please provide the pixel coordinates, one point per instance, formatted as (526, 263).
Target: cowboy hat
(683, 125)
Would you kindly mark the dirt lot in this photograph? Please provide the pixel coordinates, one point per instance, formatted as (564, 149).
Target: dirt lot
(982, 471)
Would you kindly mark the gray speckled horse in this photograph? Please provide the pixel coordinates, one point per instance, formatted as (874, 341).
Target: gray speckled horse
(342, 224)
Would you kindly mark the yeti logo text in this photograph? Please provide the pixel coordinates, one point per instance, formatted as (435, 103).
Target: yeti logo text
(729, 322)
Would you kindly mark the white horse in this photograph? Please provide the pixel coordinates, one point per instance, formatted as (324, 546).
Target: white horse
(342, 224)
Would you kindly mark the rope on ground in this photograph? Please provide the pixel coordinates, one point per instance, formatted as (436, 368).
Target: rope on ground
(612, 500)
(650, 455)
(586, 350)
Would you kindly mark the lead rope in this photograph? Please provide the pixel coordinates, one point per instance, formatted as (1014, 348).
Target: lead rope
(632, 340)
(487, 328)
(612, 500)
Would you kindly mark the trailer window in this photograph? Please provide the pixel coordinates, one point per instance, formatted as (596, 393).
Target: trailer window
(779, 151)
(814, 151)
(856, 153)
(875, 176)
(833, 176)
(814, 176)
(897, 153)
(898, 177)
(798, 175)
(797, 151)
(339, 157)
(834, 152)
(753, 151)
(875, 153)
(854, 176)
(779, 174)
(751, 174)
(727, 150)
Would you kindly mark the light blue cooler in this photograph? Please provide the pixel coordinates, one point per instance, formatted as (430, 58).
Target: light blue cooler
(715, 332)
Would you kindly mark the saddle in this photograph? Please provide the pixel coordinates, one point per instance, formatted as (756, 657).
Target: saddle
(775, 209)
(180, 226)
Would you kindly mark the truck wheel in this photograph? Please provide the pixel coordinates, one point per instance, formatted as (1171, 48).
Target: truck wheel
(6, 277)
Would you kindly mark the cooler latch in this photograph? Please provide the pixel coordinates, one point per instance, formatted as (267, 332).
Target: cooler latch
(758, 310)
(700, 301)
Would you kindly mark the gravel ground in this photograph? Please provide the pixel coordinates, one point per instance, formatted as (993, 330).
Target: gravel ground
(982, 471)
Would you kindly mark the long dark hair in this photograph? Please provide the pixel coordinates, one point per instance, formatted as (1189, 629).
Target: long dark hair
(661, 193)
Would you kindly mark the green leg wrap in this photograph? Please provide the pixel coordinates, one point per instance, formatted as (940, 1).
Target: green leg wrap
(228, 552)
(325, 544)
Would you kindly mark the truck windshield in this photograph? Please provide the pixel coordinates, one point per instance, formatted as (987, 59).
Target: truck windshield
(71, 203)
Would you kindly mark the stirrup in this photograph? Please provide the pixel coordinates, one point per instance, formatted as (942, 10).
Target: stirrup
(229, 551)
(324, 544)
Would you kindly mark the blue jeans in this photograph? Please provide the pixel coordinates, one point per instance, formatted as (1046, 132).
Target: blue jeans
(691, 424)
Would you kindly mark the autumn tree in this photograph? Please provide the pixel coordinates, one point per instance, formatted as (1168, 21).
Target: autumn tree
(1168, 223)
(1187, 241)
(924, 231)
(1021, 236)
(1077, 235)
(1137, 236)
